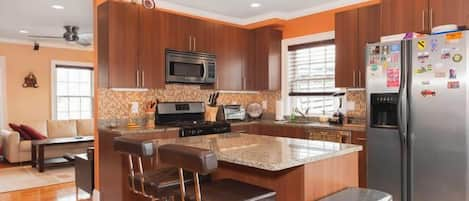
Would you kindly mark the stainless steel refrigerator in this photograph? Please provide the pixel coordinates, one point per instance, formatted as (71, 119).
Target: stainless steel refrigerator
(418, 122)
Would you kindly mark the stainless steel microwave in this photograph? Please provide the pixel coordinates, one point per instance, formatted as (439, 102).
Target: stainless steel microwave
(190, 67)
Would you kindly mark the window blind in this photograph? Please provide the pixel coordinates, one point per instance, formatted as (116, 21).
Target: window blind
(311, 77)
(312, 69)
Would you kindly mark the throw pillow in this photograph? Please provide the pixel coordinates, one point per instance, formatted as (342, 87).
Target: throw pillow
(23, 134)
(35, 135)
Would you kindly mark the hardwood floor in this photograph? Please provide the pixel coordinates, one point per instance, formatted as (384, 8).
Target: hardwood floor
(60, 192)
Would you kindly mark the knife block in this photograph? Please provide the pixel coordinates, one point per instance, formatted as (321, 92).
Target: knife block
(211, 113)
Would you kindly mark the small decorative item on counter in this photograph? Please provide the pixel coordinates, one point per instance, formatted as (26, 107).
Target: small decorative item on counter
(30, 81)
(254, 110)
(132, 123)
(150, 109)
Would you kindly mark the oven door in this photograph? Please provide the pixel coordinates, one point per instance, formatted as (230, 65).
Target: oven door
(185, 70)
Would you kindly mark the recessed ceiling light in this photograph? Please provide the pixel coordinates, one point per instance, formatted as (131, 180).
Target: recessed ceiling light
(24, 31)
(255, 5)
(58, 7)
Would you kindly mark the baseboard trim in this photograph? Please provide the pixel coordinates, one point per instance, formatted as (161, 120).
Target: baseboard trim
(95, 195)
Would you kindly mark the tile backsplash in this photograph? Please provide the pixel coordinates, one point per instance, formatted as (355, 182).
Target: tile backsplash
(115, 104)
(359, 99)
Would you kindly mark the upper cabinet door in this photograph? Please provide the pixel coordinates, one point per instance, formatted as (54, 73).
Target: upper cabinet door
(368, 32)
(230, 60)
(346, 36)
(118, 45)
(176, 32)
(151, 55)
(448, 12)
(202, 34)
(401, 16)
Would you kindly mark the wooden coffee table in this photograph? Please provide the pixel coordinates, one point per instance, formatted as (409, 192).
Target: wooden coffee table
(38, 146)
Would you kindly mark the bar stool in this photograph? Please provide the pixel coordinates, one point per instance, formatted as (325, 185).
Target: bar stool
(149, 183)
(201, 161)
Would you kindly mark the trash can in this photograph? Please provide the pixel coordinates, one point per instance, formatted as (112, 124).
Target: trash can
(359, 194)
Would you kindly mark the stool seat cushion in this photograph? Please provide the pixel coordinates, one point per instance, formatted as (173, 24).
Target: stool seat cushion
(154, 179)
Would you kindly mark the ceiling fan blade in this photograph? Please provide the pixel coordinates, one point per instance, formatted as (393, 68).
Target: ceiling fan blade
(46, 37)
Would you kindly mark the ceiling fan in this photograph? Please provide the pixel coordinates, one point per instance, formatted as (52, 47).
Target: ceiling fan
(71, 35)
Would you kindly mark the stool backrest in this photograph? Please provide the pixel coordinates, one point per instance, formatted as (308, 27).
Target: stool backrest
(192, 159)
(134, 147)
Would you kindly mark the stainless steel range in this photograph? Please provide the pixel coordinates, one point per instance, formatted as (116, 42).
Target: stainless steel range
(189, 117)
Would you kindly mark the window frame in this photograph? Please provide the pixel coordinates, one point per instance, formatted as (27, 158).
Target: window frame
(72, 64)
(298, 41)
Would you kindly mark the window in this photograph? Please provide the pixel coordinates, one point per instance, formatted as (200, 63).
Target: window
(73, 92)
(311, 77)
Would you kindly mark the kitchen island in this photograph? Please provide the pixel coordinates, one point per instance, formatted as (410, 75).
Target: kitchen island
(296, 169)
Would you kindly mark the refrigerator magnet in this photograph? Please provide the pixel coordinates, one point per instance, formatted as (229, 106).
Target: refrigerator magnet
(452, 73)
(445, 54)
(454, 37)
(440, 74)
(426, 82)
(457, 58)
(453, 85)
(434, 44)
(428, 92)
(429, 68)
(421, 70)
(423, 57)
(421, 44)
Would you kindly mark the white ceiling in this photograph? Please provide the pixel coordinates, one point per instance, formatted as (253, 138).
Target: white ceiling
(240, 12)
(39, 18)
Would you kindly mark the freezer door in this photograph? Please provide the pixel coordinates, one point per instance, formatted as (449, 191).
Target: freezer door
(385, 161)
(438, 119)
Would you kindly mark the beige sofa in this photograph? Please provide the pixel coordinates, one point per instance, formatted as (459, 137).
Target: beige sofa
(16, 150)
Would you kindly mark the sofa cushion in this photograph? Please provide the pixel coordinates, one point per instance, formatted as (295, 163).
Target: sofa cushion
(85, 127)
(38, 125)
(61, 128)
(23, 134)
(33, 133)
(25, 145)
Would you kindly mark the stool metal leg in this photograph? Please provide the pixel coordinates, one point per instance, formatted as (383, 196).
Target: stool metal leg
(198, 196)
(181, 184)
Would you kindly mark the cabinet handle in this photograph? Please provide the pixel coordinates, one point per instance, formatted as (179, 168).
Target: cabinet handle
(138, 78)
(354, 80)
(194, 39)
(143, 79)
(359, 79)
(190, 43)
(361, 139)
(431, 19)
(243, 80)
(423, 20)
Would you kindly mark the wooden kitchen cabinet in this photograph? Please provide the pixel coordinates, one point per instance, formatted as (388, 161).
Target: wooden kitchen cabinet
(401, 16)
(188, 34)
(443, 12)
(353, 30)
(359, 138)
(265, 73)
(231, 44)
(128, 34)
(346, 36)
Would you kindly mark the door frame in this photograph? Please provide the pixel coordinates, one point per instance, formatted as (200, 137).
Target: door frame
(3, 92)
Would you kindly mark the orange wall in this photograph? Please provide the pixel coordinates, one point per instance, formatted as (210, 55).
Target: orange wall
(31, 103)
(316, 23)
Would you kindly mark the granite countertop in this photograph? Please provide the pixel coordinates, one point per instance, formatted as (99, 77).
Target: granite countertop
(265, 152)
(304, 125)
(141, 130)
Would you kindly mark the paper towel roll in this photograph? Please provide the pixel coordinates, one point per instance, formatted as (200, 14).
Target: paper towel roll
(279, 110)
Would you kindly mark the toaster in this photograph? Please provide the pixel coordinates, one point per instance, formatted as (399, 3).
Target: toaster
(231, 113)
